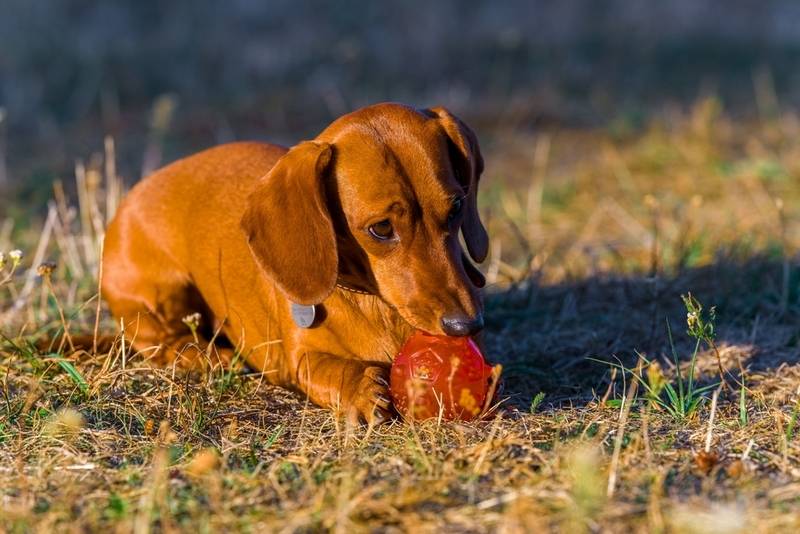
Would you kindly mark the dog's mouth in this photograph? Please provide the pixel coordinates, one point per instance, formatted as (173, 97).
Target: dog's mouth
(442, 324)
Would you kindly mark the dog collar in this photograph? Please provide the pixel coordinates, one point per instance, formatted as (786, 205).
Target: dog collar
(304, 315)
(352, 289)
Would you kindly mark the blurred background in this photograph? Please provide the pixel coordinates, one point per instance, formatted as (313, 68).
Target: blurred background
(581, 80)
(73, 71)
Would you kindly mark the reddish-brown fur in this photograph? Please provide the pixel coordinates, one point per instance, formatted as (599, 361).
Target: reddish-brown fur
(238, 231)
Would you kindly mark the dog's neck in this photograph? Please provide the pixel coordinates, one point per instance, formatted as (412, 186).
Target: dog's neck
(379, 313)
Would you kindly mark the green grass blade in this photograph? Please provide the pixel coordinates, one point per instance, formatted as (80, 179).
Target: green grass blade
(693, 405)
(742, 408)
(677, 363)
(673, 396)
(537, 400)
(274, 437)
(690, 378)
(709, 387)
(73, 373)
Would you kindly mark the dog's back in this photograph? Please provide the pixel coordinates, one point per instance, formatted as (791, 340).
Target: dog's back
(170, 228)
(173, 206)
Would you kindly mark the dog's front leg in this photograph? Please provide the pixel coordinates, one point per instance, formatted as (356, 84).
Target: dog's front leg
(356, 389)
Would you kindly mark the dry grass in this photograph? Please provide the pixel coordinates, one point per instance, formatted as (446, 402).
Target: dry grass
(595, 239)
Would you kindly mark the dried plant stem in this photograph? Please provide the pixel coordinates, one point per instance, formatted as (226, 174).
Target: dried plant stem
(646, 434)
(113, 182)
(487, 444)
(720, 367)
(710, 431)
(749, 448)
(623, 421)
(96, 330)
(38, 258)
(418, 442)
(122, 349)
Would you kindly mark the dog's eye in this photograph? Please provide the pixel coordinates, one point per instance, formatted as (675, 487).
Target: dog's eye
(455, 209)
(382, 230)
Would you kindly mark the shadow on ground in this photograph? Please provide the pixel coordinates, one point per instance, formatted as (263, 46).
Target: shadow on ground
(546, 336)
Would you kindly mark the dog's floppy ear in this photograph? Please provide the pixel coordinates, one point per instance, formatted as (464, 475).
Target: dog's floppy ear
(289, 228)
(468, 165)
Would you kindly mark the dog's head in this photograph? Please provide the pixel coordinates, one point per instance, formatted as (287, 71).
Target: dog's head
(376, 202)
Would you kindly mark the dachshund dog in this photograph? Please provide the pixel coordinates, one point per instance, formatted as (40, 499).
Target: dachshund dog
(315, 263)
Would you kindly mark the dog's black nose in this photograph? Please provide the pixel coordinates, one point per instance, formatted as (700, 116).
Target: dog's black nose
(459, 325)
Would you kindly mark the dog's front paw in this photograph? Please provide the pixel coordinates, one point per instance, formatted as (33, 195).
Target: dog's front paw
(369, 400)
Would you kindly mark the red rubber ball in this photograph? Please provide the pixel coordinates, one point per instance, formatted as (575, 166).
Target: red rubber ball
(433, 374)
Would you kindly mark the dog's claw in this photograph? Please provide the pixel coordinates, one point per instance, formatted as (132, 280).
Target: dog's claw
(382, 381)
(370, 399)
(378, 416)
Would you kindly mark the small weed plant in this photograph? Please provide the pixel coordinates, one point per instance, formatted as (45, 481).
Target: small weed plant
(8, 265)
(680, 396)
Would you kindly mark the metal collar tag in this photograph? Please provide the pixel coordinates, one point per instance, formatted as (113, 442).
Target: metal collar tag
(303, 316)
